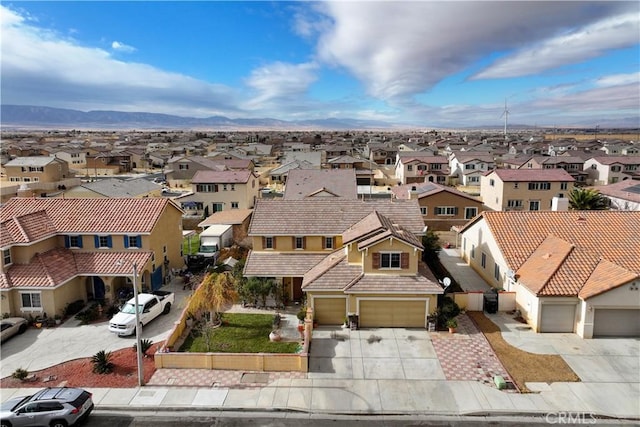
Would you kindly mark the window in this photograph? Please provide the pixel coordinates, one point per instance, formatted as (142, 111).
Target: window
(233, 187)
(183, 167)
(31, 301)
(206, 188)
(515, 185)
(73, 241)
(534, 205)
(224, 187)
(234, 205)
(483, 260)
(6, 256)
(616, 168)
(594, 166)
(469, 166)
(423, 210)
(268, 242)
(435, 166)
(474, 179)
(102, 241)
(539, 186)
(514, 204)
(496, 271)
(216, 207)
(132, 241)
(328, 243)
(470, 212)
(563, 185)
(390, 260)
(36, 169)
(299, 242)
(409, 168)
(492, 182)
(446, 210)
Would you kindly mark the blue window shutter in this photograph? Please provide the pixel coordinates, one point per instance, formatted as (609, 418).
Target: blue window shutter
(79, 241)
(67, 242)
(139, 241)
(126, 241)
(109, 244)
(96, 241)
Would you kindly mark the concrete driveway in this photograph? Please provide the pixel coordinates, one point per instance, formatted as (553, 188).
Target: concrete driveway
(40, 348)
(375, 353)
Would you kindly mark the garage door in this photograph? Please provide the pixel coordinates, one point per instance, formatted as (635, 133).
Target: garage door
(380, 314)
(330, 311)
(558, 317)
(616, 323)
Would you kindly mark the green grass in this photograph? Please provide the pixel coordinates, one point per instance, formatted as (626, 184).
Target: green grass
(240, 333)
(191, 245)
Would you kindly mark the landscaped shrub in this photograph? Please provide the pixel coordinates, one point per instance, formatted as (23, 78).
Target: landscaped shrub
(102, 362)
(448, 310)
(145, 345)
(73, 308)
(20, 374)
(89, 315)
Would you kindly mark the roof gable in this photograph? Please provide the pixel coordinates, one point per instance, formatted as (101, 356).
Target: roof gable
(606, 276)
(543, 263)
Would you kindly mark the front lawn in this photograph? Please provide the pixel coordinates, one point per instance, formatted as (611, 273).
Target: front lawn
(239, 333)
(190, 245)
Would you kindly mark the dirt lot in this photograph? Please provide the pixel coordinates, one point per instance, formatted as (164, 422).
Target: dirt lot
(521, 365)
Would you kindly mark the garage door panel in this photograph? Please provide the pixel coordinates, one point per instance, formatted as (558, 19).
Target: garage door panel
(330, 311)
(389, 313)
(616, 323)
(558, 318)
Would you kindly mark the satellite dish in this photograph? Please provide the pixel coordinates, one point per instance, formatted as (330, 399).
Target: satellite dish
(446, 282)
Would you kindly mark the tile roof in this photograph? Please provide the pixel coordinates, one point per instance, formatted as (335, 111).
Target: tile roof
(278, 264)
(114, 187)
(530, 175)
(375, 228)
(623, 160)
(595, 235)
(303, 183)
(388, 284)
(32, 161)
(99, 215)
(25, 229)
(426, 189)
(606, 276)
(628, 189)
(229, 216)
(332, 273)
(221, 177)
(543, 263)
(328, 217)
(57, 266)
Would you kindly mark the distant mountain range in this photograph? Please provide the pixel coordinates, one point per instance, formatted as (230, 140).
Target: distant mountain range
(26, 116)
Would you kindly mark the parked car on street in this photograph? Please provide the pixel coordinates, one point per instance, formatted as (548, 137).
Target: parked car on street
(13, 326)
(54, 407)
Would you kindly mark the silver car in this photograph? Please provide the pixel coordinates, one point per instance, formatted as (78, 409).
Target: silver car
(12, 326)
(53, 407)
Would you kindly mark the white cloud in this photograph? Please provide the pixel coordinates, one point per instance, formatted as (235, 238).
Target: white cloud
(619, 79)
(399, 49)
(585, 43)
(118, 46)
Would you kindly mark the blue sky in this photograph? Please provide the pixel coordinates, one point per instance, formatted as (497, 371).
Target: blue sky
(425, 63)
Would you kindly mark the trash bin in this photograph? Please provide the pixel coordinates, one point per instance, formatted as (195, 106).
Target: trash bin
(490, 299)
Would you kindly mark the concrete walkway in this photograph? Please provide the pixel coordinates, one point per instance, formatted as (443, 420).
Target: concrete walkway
(466, 276)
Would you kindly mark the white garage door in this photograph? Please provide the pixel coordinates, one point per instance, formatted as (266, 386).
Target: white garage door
(616, 323)
(558, 317)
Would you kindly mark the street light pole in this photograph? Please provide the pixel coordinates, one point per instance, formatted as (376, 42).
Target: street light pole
(138, 326)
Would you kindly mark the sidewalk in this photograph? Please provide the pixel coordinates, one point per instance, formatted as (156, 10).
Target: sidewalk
(466, 276)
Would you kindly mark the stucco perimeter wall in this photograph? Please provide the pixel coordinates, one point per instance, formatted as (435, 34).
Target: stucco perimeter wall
(268, 362)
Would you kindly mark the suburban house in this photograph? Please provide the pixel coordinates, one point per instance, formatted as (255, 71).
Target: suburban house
(36, 169)
(572, 164)
(75, 157)
(214, 191)
(524, 189)
(364, 168)
(441, 207)
(56, 251)
(469, 167)
(382, 153)
(412, 166)
(321, 183)
(181, 169)
(350, 257)
(605, 170)
(623, 195)
(572, 271)
(115, 187)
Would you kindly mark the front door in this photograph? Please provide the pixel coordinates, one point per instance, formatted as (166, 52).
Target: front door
(297, 288)
(98, 288)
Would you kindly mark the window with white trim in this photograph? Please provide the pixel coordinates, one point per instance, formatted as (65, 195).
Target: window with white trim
(268, 242)
(390, 260)
(6, 256)
(299, 242)
(31, 301)
(446, 210)
(423, 210)
(563, 185)
(539, 186)
(470, 212)
(234, 205)
(328, 242)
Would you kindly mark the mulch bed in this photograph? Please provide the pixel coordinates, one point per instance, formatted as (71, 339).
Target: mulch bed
(78, 373)
(521, 365)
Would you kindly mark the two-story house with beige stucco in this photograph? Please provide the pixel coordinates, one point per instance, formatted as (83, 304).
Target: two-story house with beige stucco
(347, 257)
(56, 251)
(415, 166)
(215, 191)
(524, 189)
(605, 170)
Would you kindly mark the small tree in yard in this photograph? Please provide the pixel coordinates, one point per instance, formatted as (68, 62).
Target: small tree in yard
(216, 292)
(102, 362)
(587, 199)
(431, 243)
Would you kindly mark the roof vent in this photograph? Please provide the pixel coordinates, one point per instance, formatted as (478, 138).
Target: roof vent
(546, 256)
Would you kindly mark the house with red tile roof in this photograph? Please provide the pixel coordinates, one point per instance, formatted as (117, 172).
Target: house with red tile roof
(348, 257)
(56, 251)
(572, 271)
(524, 189)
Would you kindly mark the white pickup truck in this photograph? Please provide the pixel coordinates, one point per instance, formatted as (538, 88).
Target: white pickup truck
(150, 306)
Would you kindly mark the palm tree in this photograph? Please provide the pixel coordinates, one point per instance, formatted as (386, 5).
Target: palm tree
(587, 199)
(216, 293)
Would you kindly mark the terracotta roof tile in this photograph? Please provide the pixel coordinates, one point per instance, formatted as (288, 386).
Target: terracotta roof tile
(606, 276)
(543, 263)
(100, 215)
